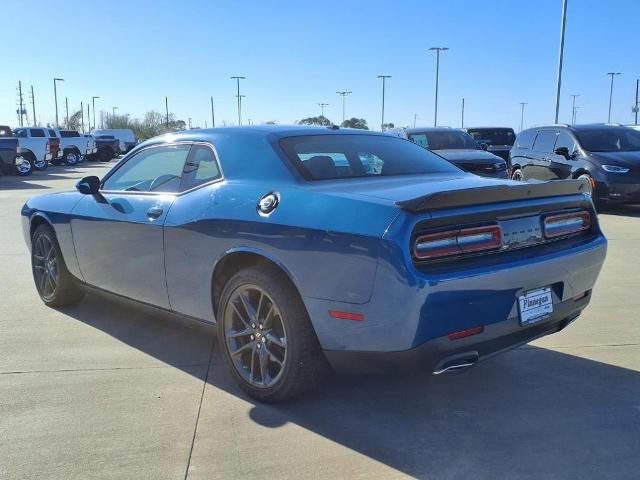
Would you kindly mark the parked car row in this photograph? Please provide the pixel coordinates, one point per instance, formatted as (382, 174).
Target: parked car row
(607, 155)
(26, 149)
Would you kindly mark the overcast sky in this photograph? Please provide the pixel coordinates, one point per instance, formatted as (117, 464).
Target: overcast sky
(296, 54)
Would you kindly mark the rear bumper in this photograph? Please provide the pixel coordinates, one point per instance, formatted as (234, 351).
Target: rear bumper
(436, 354)
(615, 192)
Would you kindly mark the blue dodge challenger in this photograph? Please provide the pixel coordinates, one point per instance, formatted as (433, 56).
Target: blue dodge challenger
(313, 248)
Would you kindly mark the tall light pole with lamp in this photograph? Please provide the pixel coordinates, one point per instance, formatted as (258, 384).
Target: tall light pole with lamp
(237, 79)
(343, 94)
(435, 110)
(55, 96)
(384, 78)
(612, 74)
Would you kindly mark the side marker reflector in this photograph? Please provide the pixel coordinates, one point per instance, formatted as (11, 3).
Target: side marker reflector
(356, 317)
(466, 333)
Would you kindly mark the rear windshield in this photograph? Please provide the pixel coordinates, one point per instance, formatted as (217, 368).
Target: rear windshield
(444, 140)
(323, 157)
(69, 133)
(493, 136)
(609, 140)
(106, 137)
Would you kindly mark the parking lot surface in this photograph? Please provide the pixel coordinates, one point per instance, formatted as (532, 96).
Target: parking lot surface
(103, 391)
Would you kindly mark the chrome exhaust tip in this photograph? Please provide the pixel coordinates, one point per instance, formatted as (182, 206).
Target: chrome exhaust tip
(456, 363)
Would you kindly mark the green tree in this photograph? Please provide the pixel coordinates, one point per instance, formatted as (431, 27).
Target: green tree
(387, 126)
(354, 122)
(319, 120)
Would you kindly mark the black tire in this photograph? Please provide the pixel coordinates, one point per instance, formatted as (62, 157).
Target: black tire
(72, 157)
(55, 285)
(303, 365)
(105, 155)
(26, 168)
(596, 202)
(516, 174)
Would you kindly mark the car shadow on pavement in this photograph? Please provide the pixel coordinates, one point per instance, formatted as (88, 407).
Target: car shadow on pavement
(531, 413)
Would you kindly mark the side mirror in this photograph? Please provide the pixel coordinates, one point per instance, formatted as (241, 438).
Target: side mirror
(483, 146)
(564, 151)
(89, 185)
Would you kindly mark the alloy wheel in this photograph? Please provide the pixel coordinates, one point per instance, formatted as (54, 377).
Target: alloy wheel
(255, 336)
(24, 168)
(72, 158)
(45, 266)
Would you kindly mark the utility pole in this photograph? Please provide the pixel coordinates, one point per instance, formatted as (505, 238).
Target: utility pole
(613, 74)
(55, 96)
(166, 109)
(113, 112)
(635, 110)
(322, 105)
(384, 78)
(213, 115)
(33, 106)
(89, 118)
(522, 104)
(93, 100)
(573, 109)
(560, 57)
(82, 116)
(343, 94)
(20, 103)
(102, 119)
(237, 79)
(66, 111)
(462, 120)
(437, 50)
(415, 117)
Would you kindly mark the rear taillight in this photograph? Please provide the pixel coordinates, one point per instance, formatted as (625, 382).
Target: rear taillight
(566, 224)
(48, 147)
(457, 242)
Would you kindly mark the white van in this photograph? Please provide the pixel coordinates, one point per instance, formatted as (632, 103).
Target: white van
(125, 136)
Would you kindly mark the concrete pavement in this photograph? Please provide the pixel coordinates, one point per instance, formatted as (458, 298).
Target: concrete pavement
(104, 391)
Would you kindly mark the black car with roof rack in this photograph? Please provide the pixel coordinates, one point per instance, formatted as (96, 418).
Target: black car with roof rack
(608, 155)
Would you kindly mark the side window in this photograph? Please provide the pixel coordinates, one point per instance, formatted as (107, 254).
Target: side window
(419, 139)
(155, 169)
(37, 132)
(566, 140)
(525, 139)
(52, 133)
(545, 141)
(21, 133)
(201, 167)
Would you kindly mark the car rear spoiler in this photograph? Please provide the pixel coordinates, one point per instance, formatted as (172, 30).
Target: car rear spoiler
(494, 194)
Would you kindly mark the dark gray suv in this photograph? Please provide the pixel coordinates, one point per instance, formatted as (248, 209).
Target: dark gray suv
(607, 155)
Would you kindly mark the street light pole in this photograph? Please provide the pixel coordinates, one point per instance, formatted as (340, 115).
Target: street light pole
(613, 74)
(462, 120)
(82, 116)
(635, 110)
(322, 105)
(384, 78)
(93, 101)
(213, 115)
(237, 79)
(415, 117)
(55, 96)
(343, 94)
(522, 104)
(66, 110)
(437, 50)
(560, 57)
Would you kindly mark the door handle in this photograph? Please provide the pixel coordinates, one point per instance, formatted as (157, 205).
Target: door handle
(154, 212)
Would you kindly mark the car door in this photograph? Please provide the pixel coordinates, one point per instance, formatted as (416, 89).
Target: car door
(118, 235)
(560, 166)
(542, 150)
